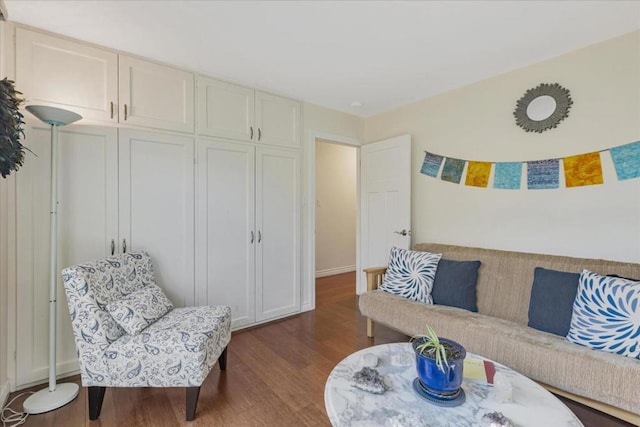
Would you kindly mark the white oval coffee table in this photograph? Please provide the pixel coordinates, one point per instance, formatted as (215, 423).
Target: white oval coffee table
(347, 405)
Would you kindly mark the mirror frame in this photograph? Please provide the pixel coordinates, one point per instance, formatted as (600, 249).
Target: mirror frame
(563, 103)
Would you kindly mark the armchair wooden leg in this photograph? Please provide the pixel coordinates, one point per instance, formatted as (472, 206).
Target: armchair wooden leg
(192, 402)
(223, 360)
(96, 395)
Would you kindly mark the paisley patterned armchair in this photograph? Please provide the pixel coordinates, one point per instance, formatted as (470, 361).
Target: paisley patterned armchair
(177, 350)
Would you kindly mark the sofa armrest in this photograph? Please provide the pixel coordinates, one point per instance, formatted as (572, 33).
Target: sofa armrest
(374, 277)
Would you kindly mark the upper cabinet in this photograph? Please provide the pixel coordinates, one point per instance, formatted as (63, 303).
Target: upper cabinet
(155, 95)
(103, 86)
(230, 111)
(66, 74)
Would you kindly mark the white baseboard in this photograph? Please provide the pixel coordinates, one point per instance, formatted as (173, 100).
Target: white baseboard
(4, 393)
(337, 270)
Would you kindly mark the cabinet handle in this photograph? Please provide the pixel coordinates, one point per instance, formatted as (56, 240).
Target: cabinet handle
(125, 111)
(111, 109)
(252, 236)
(113, 247)
(124, 246)
(251, 129)
(259, 236)
(259, 134)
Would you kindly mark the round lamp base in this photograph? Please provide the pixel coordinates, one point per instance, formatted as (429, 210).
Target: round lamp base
(45, 400)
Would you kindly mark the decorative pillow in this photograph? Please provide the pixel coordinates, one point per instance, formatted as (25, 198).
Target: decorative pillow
(411, 274)
(140, 308)
(606, 314)
(455, 284)
(552, 296)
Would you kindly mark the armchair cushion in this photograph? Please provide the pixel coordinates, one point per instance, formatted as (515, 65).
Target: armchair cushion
(178, 350)
(140, 308)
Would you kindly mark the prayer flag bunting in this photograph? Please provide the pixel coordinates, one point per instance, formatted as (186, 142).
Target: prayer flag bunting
(478, 174)
(543, 174)
(583, 169)
(431, 164)
(452, 170)
(626, 160)
(507, 175)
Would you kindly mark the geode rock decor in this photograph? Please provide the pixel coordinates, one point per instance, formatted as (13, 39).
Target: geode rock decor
(11, 150)
(549, 119)
(369, 379)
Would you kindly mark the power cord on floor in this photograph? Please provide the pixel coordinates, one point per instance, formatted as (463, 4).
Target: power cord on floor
(17, 418)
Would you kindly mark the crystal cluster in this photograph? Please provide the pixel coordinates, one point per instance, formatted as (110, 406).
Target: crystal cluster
(495, 419)
(369, 379)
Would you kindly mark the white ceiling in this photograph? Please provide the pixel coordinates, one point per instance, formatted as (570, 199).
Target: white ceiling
(383, 53)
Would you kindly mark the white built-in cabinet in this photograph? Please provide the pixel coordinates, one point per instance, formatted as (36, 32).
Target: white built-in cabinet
(248, 244)
(231, 111)
(103, 86)
(217, 206)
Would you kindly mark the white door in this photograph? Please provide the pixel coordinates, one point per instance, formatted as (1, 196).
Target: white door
(225, 110)
(87, 222)
(278, 232)
(277, 120)
(156, 207)
(156, 96)
(226, 237)
(62, 73)
(385, 201)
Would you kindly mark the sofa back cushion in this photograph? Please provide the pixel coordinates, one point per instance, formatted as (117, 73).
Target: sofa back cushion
(455, 284)
(505, 278)
(552, 298)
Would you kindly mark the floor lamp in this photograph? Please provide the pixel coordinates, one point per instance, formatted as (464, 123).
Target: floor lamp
(56, 395)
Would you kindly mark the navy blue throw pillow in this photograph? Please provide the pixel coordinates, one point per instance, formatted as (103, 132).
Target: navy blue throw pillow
(552, 297)
(455, 284)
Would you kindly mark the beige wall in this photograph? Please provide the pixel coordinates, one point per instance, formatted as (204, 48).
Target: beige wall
(476, 122)
(336, 198)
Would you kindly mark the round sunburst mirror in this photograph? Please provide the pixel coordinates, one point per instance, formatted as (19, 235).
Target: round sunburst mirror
(543, 107)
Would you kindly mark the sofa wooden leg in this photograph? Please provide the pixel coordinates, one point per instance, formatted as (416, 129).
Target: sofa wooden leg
(96, 396)
(192, 402)
(369, 327)
(222, 360)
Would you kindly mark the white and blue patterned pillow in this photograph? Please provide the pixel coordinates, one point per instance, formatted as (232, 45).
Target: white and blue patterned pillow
(606, 314)
(139, 309)
(411, 274)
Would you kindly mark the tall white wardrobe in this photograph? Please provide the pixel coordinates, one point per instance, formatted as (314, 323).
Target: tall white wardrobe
(202, 174)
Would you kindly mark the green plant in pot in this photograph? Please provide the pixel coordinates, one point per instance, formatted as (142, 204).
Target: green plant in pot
(439, 363)
(11, 150)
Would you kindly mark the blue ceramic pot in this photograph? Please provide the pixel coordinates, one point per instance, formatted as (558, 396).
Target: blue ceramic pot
(445, 383)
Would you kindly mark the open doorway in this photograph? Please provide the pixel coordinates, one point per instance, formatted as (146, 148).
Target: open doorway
(336, 208)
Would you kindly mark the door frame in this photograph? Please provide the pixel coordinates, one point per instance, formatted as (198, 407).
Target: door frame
(311, 211)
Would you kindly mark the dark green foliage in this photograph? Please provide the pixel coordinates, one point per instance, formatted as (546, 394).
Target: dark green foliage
(11, 150)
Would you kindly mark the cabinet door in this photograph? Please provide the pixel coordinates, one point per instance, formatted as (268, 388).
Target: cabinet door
(225, 243)
(278, 225)
(225, 110)
(66, 74)
(156, 96)
(156, 207)
(278, 120)
(87, 222)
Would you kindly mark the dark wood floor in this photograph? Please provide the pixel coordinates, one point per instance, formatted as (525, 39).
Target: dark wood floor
(275, 375)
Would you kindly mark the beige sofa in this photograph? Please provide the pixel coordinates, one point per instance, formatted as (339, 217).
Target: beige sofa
(499, 331)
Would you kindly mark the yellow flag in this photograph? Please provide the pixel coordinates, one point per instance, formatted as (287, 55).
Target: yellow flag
(583, 169)
(478, 174)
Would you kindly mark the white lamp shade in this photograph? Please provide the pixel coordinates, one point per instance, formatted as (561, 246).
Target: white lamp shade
(53, 116)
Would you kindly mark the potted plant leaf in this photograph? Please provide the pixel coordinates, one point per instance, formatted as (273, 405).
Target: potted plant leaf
(439, 362)
(11, 150)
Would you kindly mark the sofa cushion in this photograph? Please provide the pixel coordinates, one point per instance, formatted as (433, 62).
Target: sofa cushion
(552, 297)
(411, 274)
(541, 356)
(606, 314)
(139, 309)
(455, 284)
